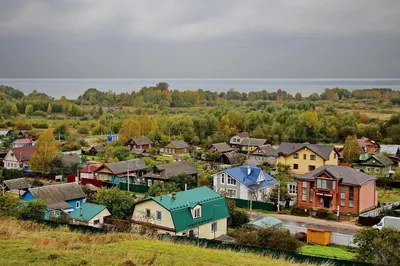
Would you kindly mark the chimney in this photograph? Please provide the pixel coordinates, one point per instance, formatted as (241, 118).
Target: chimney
(81, 211)
(248, 170)
(174, 195)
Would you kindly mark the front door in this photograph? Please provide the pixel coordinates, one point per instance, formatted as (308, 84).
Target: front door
(327, 203)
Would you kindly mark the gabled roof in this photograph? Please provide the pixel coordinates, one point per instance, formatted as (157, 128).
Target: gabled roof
(58, 193)
(173, 169)
(389, 149)
(250, 180)
(243, 135)
(142, 141)
(253, 142)
(382, 159)
(17, 183)
(90, 168)
(23, 154)
(233, 157)
(98, 148)
(23, 141)
(221, 147)
(287, 148)
(68, 160)
(213, 207)
(122, 167)
(265, 150)
(348, 175)
(88, 211)
(179, 144)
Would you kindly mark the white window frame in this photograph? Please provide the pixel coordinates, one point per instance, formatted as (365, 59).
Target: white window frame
(214, 227)
(196, 212)
(295, 155)
(228, 193)
(223, 178)
(304, 191)
(78, 204)
(159, 213)
(231, 181)
(367, 169)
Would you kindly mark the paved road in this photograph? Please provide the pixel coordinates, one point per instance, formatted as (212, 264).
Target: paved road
(309, 222)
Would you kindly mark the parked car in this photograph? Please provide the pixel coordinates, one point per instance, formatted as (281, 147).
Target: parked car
(388, 221)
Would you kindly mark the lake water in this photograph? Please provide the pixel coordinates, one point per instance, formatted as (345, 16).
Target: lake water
(72, 88)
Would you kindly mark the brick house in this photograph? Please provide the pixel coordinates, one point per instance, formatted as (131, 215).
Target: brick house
(337, 188)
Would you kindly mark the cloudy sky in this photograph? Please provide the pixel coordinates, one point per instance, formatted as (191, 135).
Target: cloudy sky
(200, 38)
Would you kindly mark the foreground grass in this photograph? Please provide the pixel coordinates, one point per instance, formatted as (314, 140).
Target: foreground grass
(340, 252)
(24, 243)
(388, 195)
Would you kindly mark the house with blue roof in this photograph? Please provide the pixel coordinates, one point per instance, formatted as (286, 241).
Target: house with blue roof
(198, 212)
(244, 182)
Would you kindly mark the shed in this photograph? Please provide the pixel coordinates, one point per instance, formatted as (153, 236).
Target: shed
(318, 237)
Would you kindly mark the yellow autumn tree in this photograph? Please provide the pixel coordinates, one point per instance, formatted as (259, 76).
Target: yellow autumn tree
(145, 124)
(130, 129)
(46, 150)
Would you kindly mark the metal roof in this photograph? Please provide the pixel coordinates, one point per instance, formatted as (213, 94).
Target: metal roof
(242, 175)
(348, 175)
(122, 167)
(213, 207)
(253, 142)
(57, 193)
(88, 211)
(265, 222)
(389, 149)
(287, 148)
(382, 159)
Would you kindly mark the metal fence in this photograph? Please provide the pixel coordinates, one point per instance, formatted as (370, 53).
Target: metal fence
(134, 187)
(266, 206)
(377, 211)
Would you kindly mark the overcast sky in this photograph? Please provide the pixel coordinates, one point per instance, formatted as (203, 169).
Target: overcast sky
(204, 38)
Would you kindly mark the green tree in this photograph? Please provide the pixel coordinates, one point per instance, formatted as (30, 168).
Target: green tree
(14, 109)
(182, 179)
(351, 150)
(145, 124)
(46, 150)
(10, 205)
(161, 188)
(49, 109)
(28, 109)
(380, 247)
(237, 217)
(118, 202)
(33, 210)
(130, 129)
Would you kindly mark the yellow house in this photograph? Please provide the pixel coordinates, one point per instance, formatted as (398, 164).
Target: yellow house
(305, 157)
(198, 212)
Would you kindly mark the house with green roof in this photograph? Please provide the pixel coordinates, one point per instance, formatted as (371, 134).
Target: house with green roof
(199, 212)
(90, 214)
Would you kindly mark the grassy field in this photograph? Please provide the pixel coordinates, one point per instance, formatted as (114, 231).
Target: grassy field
(23, 243)
(340, 252)
(386, 195)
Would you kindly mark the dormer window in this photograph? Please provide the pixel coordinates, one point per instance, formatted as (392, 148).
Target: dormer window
(196, 212)
(260, 178)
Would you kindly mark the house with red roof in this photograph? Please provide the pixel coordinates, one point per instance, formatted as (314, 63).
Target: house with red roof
(89, 171)
(23, 143)
(18, 158)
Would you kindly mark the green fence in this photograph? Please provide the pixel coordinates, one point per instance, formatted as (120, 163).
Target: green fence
(134, 188)
(266, 206)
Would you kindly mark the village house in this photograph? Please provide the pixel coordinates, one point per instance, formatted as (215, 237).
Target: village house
(95, 150)
(17, 185)
(238, 138)
(227, 154)
(338, 189)
(244, 182)
(18, 158)
(231, 158)
(390, 150)
(249, 145)
(90, 214)
(377, 165)
(198, 212)
(141, 143)
(164, 172)
(221, 147)
(60, 198)
(23, 143)
(367, 145)
(120, 171)
(305, 157)
(89, 171)
(264, 154)
(178, 147)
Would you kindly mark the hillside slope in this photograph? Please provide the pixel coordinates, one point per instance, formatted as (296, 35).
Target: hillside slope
(23, 243)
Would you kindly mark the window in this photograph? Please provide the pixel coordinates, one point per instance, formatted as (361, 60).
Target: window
(231, 181)
(304, 191)
(96, 221)
(326, 184)
(304, 156)
(197, 213)
(222, 178)
(231, 193)
(334, 156)
(313, 157)
(292, 189)
(342, 196)
(214, 227)
(377, 170)
(367, 169)
(311, 193)
(158, 214)
(351, 197)
(311, 167)
(295, 166)
(148, 214)
(78, 204)
(296, 156)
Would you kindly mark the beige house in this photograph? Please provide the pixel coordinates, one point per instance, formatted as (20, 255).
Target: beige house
(90, 214)
(198, 212)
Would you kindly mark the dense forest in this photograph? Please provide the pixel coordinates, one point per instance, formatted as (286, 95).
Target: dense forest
(202, 117)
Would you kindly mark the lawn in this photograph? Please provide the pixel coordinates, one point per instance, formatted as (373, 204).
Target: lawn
(341, 252)
(386, 195)
(23, 243)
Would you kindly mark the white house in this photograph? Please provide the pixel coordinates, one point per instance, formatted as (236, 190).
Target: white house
(90, 214)
(244, 182)
(238, 138)
(18, 158)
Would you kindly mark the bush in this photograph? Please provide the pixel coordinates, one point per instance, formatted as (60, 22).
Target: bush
(11, 174)
(39, 113)
(300, 211)
(9, 205)
(33, 210)
(324, 214)
(40, 125)
(301, 236)
(237, 217)
(83, 130)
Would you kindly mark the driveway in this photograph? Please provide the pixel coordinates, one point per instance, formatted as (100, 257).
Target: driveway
(309, 222)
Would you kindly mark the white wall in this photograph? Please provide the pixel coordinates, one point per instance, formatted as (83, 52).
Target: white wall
(99, 217)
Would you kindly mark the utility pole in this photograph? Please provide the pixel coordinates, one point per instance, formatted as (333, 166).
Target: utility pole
(127, 167)
(279, 195)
